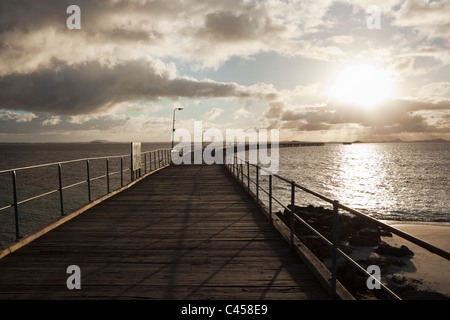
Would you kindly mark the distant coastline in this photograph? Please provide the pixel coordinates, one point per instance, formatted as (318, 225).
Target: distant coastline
(284, 141)
(100, 141)
(380, 141)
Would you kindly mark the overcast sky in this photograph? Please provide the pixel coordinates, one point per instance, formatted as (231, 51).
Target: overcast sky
(229, 63)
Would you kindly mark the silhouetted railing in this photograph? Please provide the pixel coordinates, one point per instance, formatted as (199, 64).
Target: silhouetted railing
(151, 160)
(237, 167)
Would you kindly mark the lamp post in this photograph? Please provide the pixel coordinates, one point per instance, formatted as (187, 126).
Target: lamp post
(173, 122)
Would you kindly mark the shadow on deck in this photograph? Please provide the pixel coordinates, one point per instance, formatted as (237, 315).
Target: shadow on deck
(185, 232)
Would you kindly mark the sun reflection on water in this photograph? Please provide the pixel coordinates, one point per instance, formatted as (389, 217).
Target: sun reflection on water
(362, 177)
(400, 181)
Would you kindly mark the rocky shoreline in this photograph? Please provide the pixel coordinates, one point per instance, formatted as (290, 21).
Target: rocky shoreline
(363, 242)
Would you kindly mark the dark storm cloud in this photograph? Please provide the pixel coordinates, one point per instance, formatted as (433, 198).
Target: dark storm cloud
(115, 57)
(92, 87)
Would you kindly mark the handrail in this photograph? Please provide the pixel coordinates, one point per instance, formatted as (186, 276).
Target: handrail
(394, 230)
(75, 160)
(156, 159)
(233, 162)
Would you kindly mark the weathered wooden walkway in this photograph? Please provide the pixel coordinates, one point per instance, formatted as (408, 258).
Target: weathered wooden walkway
(185, 232)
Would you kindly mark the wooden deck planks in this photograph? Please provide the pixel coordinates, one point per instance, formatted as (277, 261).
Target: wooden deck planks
(185, 232)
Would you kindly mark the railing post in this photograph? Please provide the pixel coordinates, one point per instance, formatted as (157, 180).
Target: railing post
(257, 185)
(61, 200)
(270, 198)
(88, 180)
(16, 205)
(145, 163)
(107, 175)
(292, 212)
(335, 249)
(131, 166)
(242, 174)
(248, 177)
(121, 171)
(150, 161)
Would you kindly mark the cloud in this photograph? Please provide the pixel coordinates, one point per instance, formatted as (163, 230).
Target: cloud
(229, 26)
(132, 51)
(342, 39)
(214, 113)
(92, 87)
(241, 113)
(20, 117)
(396, 116)
(430, 17)
(52, 121)
(435, 89)
(205, 33)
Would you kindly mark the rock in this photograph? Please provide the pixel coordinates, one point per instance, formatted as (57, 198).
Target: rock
(358, 223)
(382, 262)
(354, 281)
(403, 251)
(362, 241)
(366, 237)
(317, 246)
(402, 285)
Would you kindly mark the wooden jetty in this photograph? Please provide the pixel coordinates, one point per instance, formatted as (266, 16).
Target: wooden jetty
(183, 232)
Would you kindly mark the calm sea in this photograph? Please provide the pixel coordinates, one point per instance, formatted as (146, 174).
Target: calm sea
(392, 181)
(399, 181)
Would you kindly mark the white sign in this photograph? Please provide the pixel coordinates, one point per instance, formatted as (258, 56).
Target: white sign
(136, 159)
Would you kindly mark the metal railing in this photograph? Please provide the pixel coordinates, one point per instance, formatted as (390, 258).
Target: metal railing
(237, 167)
(151, 160)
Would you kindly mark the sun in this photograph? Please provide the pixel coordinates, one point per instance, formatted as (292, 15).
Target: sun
(362, 84)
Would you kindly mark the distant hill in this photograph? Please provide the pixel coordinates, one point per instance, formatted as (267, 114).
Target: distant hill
(421, 141)
(433, 141)
(100, 141)
(387, 141)
(404, 141)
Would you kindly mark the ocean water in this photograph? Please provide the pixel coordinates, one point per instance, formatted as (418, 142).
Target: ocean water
(392, 181)
(399, 181)
(35, 214)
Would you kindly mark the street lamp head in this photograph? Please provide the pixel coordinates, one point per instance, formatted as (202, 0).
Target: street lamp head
(180, 108)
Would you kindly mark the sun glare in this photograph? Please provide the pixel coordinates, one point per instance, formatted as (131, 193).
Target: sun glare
(361, 84)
